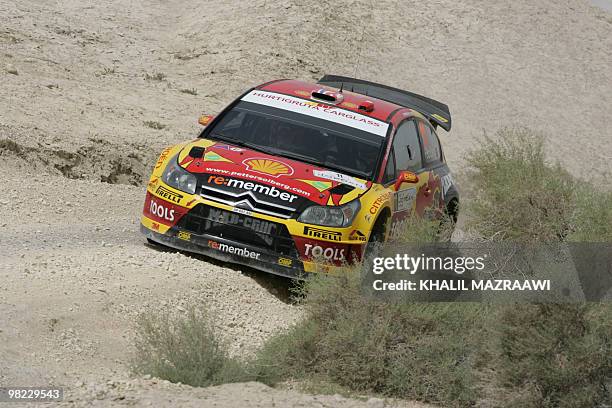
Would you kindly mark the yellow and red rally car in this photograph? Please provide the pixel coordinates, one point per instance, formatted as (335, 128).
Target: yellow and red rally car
(296, 177)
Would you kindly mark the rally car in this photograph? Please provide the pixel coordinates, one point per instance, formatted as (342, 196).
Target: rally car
(296, 177)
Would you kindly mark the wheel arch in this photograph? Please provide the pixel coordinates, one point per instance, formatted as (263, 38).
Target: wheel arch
(380, 224)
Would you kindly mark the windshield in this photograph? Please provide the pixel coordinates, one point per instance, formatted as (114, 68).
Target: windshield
(301, 137)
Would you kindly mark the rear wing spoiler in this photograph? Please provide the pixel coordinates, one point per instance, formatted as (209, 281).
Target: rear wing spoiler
(436, 112)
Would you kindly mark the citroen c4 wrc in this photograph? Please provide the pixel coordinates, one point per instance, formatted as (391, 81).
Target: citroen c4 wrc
(296, 177)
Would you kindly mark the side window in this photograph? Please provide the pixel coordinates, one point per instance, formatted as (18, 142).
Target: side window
(430, 143)
(390, 169)
(406, 147)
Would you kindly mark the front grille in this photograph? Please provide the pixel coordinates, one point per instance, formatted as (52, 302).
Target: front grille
(247, 200)
(204, 219)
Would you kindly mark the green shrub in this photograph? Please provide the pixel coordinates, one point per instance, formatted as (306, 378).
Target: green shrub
(552, 355)
(413, 351)
(593, 215)
(184, 349)
(518, 196)
(546, 355)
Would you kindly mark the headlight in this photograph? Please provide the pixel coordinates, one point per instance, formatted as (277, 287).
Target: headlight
(341, 216)
(179, 178)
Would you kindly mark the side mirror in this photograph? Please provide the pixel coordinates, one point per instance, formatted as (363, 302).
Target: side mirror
(405, 177)
(204, 120)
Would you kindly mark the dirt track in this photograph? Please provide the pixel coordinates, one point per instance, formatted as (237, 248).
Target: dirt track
(81, 78)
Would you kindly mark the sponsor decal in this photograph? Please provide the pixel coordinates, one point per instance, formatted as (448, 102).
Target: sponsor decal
(322, 234)
(440, 118)
(447, 182)
(404, 199)
(340, 178)
(214, 157)
(242, 211)
(153, 183)
(162, 157)
(329, 253)
(251, 176)
(227, 147)
(230, 249)
(168, 195)
(318, 110)
(186, 162)
(224, 217)
(270, 191)
(303, 93)
(155, 226)
(161, 211)
(319, 185)
(285, 262)
(184, 235)
(271, 167)
(356, 235)
(380, 200)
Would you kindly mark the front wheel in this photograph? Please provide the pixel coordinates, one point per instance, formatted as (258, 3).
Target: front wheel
(377, 239)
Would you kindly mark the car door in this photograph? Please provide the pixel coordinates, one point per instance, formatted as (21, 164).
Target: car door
(435, 171)
(407, 155)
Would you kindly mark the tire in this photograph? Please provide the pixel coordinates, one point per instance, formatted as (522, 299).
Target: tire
(377, 238)
(449, 220)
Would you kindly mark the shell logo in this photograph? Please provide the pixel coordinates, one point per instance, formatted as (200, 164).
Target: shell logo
(271, 167)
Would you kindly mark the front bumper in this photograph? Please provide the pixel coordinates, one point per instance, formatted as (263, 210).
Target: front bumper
(228, 251)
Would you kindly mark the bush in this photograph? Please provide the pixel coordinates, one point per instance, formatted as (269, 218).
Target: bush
(184, 349)
(552, 355)
(518, 195)
(545, 355)
(593, 216)
(414, 351)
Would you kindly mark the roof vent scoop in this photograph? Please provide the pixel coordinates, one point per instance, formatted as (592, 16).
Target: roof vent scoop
(366, 106)
(330, 97)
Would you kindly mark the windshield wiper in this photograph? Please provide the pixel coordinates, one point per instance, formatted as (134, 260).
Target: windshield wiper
(238, 142)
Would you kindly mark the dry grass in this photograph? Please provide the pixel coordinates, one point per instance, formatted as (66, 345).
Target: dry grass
(156, 76)
(191, 91)
(154, 125)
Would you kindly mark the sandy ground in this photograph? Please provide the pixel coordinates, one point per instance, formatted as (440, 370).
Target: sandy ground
(80, 79)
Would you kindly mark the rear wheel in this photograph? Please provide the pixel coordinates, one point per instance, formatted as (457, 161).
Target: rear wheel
(449, 220)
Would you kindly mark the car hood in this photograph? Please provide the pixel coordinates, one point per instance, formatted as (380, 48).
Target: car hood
(241, 171)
